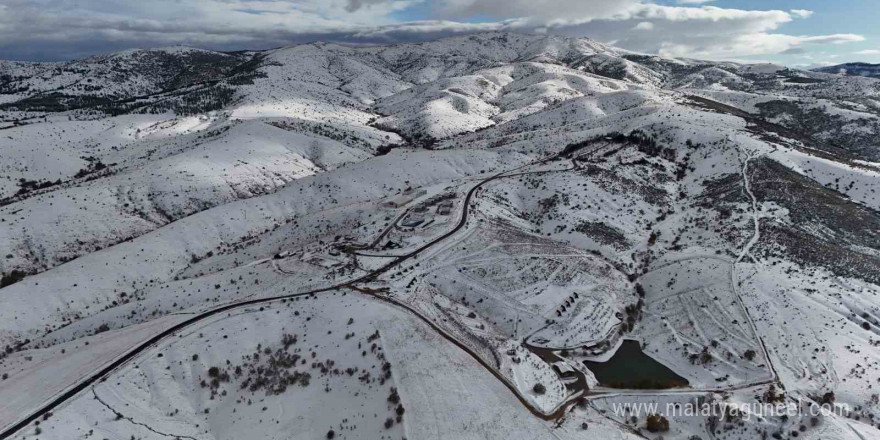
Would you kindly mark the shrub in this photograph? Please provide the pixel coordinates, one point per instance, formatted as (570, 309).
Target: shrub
(539, 389)
(394, 397)
(771, 396)
(657, 423)
(11, 278)
(705, 357)
(828, 398)
(750, 354)
(640, 290)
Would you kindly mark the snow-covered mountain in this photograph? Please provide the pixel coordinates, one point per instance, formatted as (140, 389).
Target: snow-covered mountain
(451, 239)
(853, 69)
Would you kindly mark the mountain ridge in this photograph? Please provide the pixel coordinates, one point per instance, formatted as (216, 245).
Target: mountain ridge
(856, 68)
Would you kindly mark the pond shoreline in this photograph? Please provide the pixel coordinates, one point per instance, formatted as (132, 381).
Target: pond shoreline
(630, 368)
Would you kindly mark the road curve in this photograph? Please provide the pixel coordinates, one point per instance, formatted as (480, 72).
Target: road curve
(101, 374)
(556, 414)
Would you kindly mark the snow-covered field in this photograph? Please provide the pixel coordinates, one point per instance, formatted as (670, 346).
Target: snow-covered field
(431, 239)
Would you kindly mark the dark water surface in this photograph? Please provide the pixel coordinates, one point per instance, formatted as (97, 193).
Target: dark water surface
(630, 368)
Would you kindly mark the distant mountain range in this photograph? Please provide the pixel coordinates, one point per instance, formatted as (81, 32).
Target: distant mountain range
(853, 69)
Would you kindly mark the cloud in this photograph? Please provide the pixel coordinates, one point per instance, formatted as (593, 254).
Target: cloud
(354, 5)
(70, 28)
(699, 32)
(832, 39)
(801, 13)
(694, 2)
(64, 29)
(535, 9)
(868, 52)
(794, 51)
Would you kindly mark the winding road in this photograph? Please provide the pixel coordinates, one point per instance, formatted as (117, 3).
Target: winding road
(556, 414)
(135, 352)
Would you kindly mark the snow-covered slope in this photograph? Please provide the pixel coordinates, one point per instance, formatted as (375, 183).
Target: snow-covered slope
(436, 240)
(853, 69)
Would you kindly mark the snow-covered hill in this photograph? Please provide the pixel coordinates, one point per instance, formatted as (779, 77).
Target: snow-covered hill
(853, 69)
(435, 240)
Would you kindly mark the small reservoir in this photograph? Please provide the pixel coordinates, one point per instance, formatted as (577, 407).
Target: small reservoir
(631, 368)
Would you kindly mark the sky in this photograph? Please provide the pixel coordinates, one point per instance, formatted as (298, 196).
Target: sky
(798, 33)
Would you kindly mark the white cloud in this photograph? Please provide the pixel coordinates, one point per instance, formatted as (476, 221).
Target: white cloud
(644, 26)
(832, 39)
(801, 13)
(70, 26)
(537, 9)
(694, 2)
(868, 52)
(700, 32)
